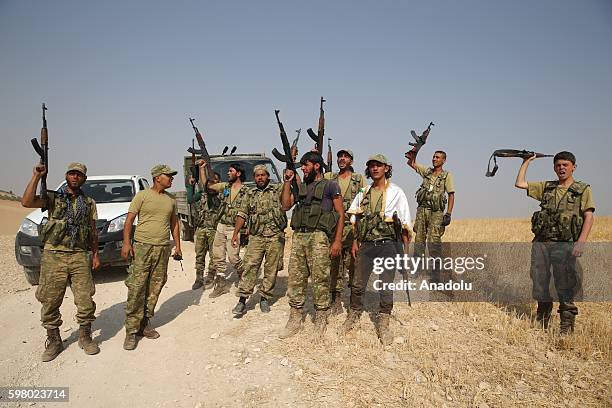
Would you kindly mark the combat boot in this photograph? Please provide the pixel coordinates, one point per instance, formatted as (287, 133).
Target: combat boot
(351, 320)
(130, 342)
(384, 332)
(543, 314)
(199, 282)
(336, 306)
(85, 342)
(147, 331)
(293, 324)
(222, 286)
(264, 305)
(53, 345)
(240, 309)
(320, 323)
(209, 281)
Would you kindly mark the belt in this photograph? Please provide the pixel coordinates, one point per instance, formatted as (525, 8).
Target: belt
(380, 242)
(304, 229)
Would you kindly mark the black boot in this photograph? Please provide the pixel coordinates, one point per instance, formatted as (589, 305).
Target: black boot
(543, 314)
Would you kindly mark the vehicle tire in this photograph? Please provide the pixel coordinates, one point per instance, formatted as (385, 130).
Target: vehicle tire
(186, 232)
(32, 274)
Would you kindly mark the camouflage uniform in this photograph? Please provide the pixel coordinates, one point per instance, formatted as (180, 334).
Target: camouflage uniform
(345, 263)
(556, 227)
(431, 200)
(267, 222)
(66, 261)
(208, 216)
(310, 248)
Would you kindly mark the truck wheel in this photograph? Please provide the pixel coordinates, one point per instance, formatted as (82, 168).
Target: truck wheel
(186, 232)
(32, 274)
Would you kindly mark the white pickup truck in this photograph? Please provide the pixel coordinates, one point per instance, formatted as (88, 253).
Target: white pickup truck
(112, 194)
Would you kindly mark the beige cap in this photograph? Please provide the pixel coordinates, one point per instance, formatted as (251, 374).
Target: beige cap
(347, 151)
(261, 167)
(379, 158)
(80, 167)
(160, 169)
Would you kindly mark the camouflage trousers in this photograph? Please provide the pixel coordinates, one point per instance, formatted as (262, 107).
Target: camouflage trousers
(147, 276)
(429, 230)
(270, 247)
(222, 247)
(566, 272)
(59, 269)
(343, 266)
(309, 257)
(204, 244)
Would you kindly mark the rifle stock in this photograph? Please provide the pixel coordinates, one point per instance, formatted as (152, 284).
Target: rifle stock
(523, 154)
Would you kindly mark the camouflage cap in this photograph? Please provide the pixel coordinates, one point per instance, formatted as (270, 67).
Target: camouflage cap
(261, 167)
(80, 167)
(347, 151)
(378, 158)
(160, 169)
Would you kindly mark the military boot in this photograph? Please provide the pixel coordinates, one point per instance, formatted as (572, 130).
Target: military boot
(53, 345)
(209, 281)
(336, 306)
(293, 324)
(240, 309)
(264, 305)
(351, 320)
(384, 332)
(147, 331)
(199, 282)
(543, 314)
(130, 342)
(567, 315)
(85, 342)
(222, 286)
(320, 323)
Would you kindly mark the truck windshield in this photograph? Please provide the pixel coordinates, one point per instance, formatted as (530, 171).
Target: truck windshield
(109, 191)
(222, 167)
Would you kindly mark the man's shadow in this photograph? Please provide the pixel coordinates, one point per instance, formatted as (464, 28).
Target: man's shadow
(109, 321)
(177, 304)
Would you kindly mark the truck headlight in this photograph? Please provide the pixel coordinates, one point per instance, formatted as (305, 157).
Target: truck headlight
(117, 224)
(29, 227)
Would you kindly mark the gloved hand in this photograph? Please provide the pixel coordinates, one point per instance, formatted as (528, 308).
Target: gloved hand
(446, 219)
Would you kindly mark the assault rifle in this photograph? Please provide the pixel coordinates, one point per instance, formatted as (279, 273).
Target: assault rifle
(42, 149)
(294, 149)
(397, 227)
(420, 141)
(318, 137)
(523, 154)
(330, 160)
(203, 151)
(195, 173)
(286, 157)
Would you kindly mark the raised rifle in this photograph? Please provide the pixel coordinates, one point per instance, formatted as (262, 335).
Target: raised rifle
(330, 160)
(42, 149)
(203, 151)
(318, 137)
(294, 149)
(195, 173)
(523, 154)
(419, 141)
(397, 228)
(286, 157)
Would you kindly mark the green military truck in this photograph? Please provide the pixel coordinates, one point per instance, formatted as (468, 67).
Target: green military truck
(220, 164)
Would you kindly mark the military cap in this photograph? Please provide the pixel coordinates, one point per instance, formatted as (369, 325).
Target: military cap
(260, 167)
(160, 169)
(378, 158)
(347, 151)
(80, 167)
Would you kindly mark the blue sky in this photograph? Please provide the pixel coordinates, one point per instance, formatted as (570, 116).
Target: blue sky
(121, 78)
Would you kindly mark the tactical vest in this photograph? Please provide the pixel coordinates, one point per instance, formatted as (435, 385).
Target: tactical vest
(266, 217)
(559, 221)
(229, 211)
(310, 216)
(431, 193)
(208, 210)
(372, 226)
(351, 191)
(55, 231)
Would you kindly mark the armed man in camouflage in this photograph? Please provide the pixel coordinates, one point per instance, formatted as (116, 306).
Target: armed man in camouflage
(561, 229)
(68, 236)
(233, 193)
(350, 183)
(372, 213)
(267, 222)
(317, 218)
(209, 204)
(148, 273)
(431, 219)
